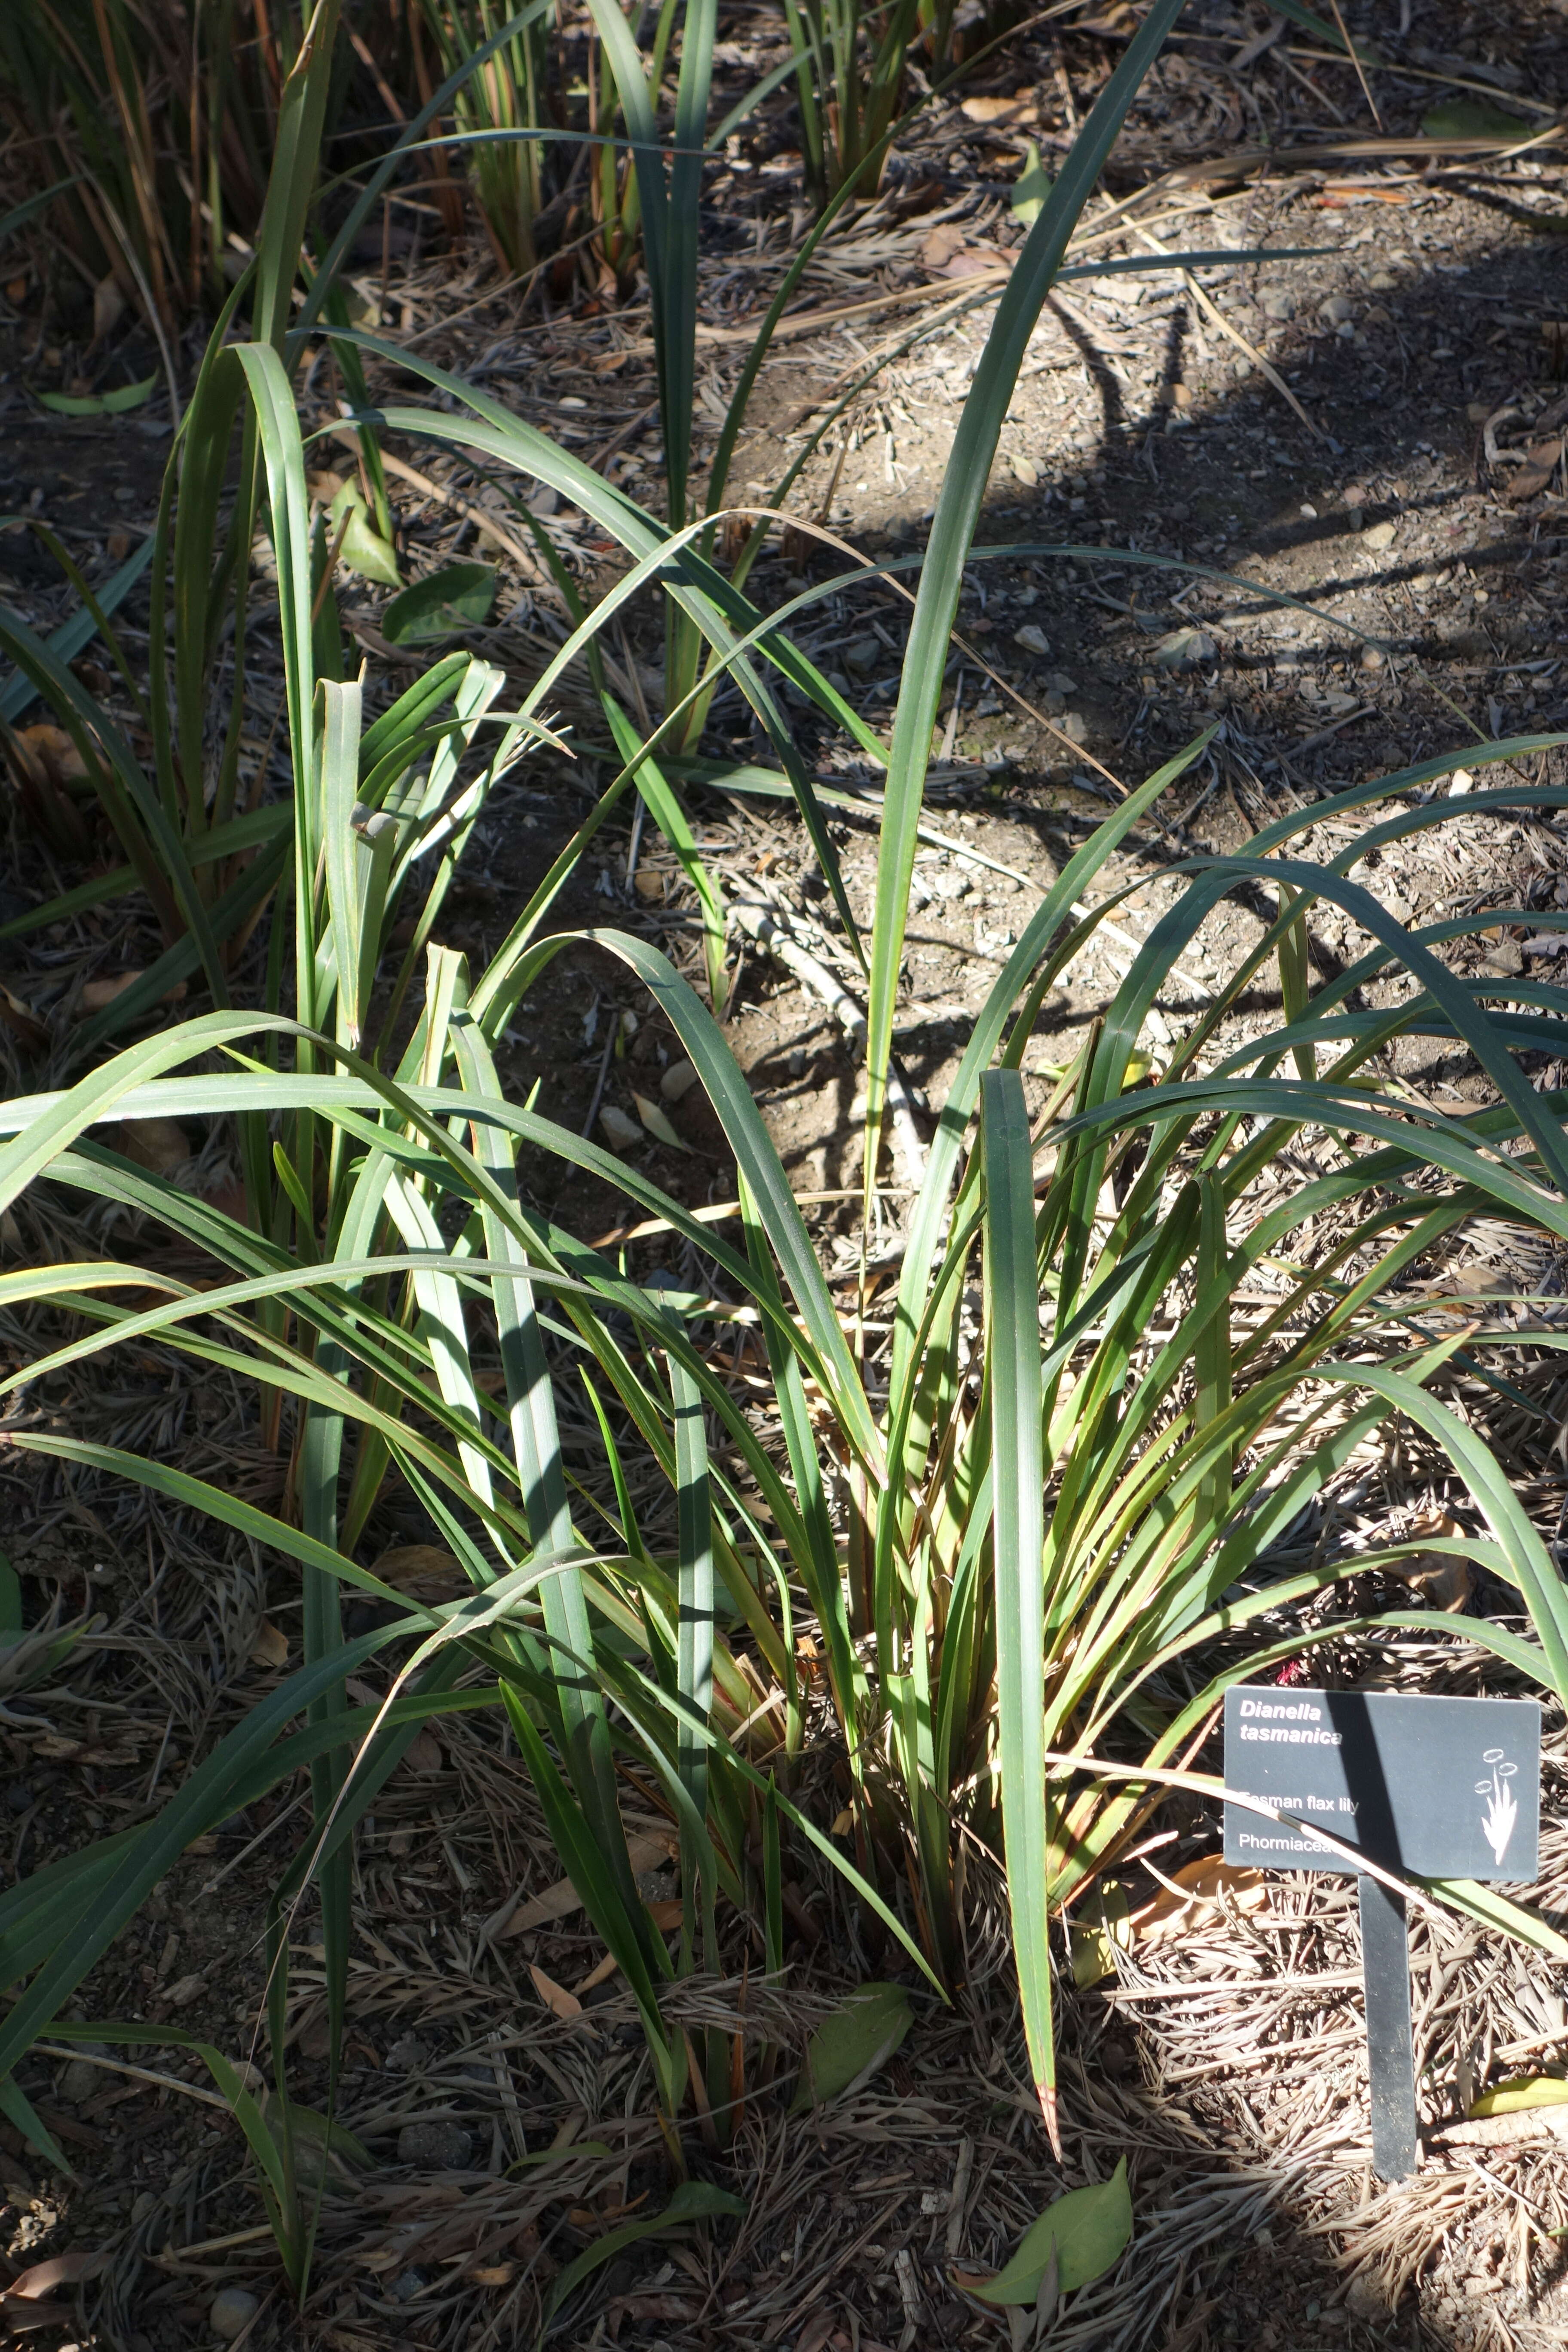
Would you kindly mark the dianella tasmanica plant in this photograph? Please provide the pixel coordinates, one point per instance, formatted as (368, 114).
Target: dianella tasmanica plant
(1121, 1357)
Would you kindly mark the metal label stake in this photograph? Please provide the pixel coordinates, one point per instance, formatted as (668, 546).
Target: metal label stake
(1390, 2055)
(1424, 1786)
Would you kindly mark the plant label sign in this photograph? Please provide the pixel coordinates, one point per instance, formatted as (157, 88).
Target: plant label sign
(1429, 1788)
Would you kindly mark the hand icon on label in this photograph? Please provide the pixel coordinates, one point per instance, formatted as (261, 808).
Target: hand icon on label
(1501, 1812)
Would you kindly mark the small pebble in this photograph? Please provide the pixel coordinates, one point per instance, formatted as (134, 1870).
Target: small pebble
(233, 2309)
(620, 1132)
(81, 2080)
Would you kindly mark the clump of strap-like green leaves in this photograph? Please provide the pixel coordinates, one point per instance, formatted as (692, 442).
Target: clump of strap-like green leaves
(1004, 1535)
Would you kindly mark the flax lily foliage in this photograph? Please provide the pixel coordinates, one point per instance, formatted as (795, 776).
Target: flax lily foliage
(1019, 1536)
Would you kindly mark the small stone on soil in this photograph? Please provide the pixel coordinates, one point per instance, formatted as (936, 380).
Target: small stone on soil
(233, 2309)
(435, 2146)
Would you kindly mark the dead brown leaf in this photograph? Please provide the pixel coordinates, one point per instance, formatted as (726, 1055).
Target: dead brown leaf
(556, 1999)
(558, 1902)
(998, 109)
(424, 1572)
(50, 754)
(22, 1022)
(425, 1753)
(816, 2332)
(24, 2318)
(97, 993)
(939, 246)
(107, 307)
(1444, 1577)
(270, 1647)
(1535, 475)
(159, 1144)
(60, 2270)
(1203, 1883)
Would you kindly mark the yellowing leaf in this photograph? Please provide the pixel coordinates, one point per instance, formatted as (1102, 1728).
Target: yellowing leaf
(847, 2047)
(658, 1123)
(1086, 2232)
(103, 404)
(1524, 2092)
(1098, 1932)
(363, 550)
(1030, 189)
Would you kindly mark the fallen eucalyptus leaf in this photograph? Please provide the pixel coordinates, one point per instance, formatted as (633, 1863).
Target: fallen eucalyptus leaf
(694, 2200)
(860, 2036)
(1525, 2091)
(99, 404)
(458, 596)
(1474, 118)
(1083, 2233)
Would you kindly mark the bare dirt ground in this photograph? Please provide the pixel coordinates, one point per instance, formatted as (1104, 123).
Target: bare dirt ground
(1406, 497)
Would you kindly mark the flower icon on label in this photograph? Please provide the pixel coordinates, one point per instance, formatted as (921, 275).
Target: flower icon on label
(1501, 1812)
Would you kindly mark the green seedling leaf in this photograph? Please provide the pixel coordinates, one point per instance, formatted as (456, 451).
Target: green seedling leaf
(1083, 2233)
(859, 2036)
(694, 2200)
(10, 1597)
(364, 549)
(1474, 118)
(99, 404)
(1032, 186)
(1524, 2092)
(458, 596)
